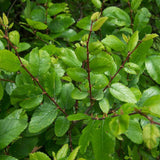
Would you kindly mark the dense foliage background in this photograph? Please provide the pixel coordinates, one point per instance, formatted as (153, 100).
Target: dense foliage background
(79, 79)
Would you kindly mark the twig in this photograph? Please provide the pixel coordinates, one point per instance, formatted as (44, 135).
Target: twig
(7, 80)
(131, 12)
(33, 78)
(70, 139)
(129, 54)
(11, 8)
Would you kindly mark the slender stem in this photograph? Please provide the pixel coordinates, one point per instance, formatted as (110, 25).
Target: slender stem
(127, 58)
(7, 80)
(70, 139)
(88, 67)
(34, 78)
(131, 14)
(11, 7)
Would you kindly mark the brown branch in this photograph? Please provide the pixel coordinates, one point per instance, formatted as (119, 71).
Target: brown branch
(70, 139)
(7, 80)
(34, 78)
(127, 58)
(131, 14)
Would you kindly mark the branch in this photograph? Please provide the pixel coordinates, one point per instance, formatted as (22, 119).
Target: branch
(127, 58)
(7, 80)
(33, 78)
(131, 12)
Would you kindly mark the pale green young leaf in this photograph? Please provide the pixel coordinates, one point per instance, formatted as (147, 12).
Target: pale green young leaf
(81, 53)
(9, 61)
(6, 157)
(62, 152)
(104, 105)
(97, 3)
(73, 154)
(95, 16)
(5, 19)
(84, 23)
(42, 117)
(135, 4)
(14, 37)
(98, 24)
(78, 117)
(1, 34)
(150, 135)
(122, 93)
(38, 156)
(133, 41)
(149, 36)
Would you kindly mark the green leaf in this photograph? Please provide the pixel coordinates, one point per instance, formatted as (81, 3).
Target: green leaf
(122, 93)
(1, 34)
(131, 68)
(56, 8)
(38, 156)
(134, 132)
(73, 154)
(81, 53)
(79, 95)
(38, 14)
(114, 43)
(27, 96)
(62, 153)
(8, 61)
(117, 16)
(11, 127)
(61, 126)
(119, 125)
(153, 67)
(97, 3)
(141, 19)
(39, 62)
(98, 24)
(104, 105)
(69, 57)
(98, 81)
(1, 91)
(95, 16)
(84, 23)
(14, 37)
(96, 47)
(135, 4)
(150, 135)
(133, 41)
(103, 143)
(65, 99)
(5, 157)
(1, 45)
(78, 117)
(22, 147)
(149, 36)
(77, 74)
(27, 11)
(5, 19)
(42, 117)
(60, 23)
(36, 24)
(153, 105)
(23, 46)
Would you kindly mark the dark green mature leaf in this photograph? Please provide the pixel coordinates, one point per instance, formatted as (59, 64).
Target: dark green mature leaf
(36, 25)
(78, 117)
(81, 53)
(38, 156)
(27, 96)
(22, 147)
(153, 67)
(14, 37)
(77, 74)
(141, 19)
(122, 93)
(84, 23)
(5, 157)
(133, 41)
(153, 105)
(119, 125)
(134, 132)
(1, 91)
(62, 125)
(11, 127)
(135, 4)
(103, 143)
(60, 23)
(98, 24)
(42, 117)
(69, 58)
(150, 135)
(114, 43)
(79, 95)
(56, 8)
(65, 99)
(117, 16)
(38, 14)
(39, 62)
(8, 61)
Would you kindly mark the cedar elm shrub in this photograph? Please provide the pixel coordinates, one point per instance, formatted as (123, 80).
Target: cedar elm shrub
(79, 80)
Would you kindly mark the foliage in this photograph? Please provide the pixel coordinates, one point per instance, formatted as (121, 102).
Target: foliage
(79, 83)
